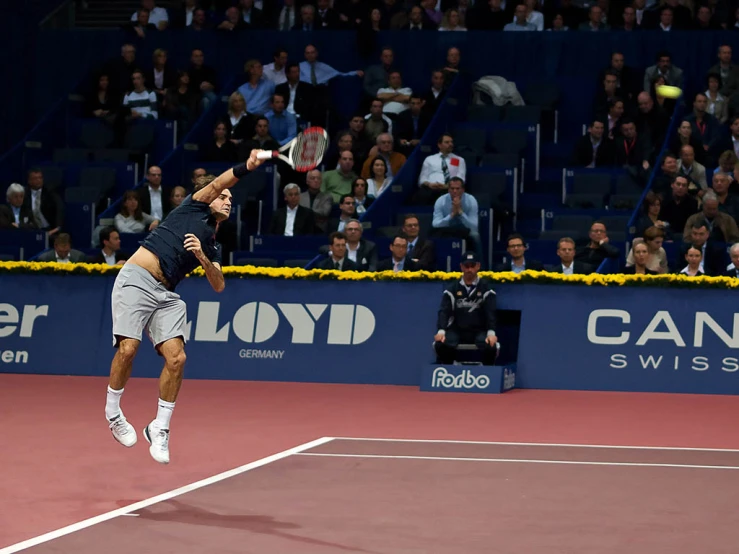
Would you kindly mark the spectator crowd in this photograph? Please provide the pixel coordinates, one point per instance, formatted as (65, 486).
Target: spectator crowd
(692, 201)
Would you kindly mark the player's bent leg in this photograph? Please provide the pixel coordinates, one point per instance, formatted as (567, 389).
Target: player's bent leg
(120, 372)
(120, 368)
(170, 381)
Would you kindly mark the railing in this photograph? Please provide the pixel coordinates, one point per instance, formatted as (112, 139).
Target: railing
(676, 115)
(61, 17)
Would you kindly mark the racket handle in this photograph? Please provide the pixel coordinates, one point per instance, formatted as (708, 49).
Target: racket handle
(266, 155)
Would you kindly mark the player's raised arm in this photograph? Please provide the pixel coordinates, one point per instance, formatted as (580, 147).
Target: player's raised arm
(228, 178)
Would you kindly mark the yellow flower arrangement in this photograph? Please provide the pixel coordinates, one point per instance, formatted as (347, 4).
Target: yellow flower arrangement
(530, 277)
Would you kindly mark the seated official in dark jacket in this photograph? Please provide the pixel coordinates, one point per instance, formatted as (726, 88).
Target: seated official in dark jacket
(467, 315)
(337, 256)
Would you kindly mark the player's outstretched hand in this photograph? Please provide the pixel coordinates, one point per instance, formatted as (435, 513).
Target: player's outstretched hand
(192, 244)
(253, 162)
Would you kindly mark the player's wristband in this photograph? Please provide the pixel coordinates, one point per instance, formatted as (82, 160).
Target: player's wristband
(240, 170)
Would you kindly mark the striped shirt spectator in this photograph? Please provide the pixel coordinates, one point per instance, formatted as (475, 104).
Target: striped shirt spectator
(141, 102)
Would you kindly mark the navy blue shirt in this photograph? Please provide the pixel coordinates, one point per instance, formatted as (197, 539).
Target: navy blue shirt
(167, 241)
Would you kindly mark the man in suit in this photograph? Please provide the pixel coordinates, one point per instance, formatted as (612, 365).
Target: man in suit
(722, 226)
(434, 95)
(727, 70)
(14, 215)
(337, 258)
(111, 252)
(62, 252)
(419, 21)
(154, 199)
(285, 19)
(632, 150)
(361, 251)
(628, 83)
(47, 208)
(410, 125)
(728, 141)
(375, 76)
(421, 251)
(399, 260)
(252, 17)
(705, 126)
(732, 270)
(348, 211)
(518, 263)
(307, 19)
(594, 149)
(327, 19)
(292, 220)
(672, 75)
(298, 95)
(181, 17)
(320, 202)
(714, 257)
(568, 265)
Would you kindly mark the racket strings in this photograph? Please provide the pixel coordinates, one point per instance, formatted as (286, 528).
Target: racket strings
(309, 149)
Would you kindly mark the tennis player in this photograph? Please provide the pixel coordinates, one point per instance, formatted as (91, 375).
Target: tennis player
(144, 299)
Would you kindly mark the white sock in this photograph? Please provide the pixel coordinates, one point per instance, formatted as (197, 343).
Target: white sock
(164, 414)
(113, 403)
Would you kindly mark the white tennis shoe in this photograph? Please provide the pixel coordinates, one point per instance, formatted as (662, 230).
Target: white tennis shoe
(159, 441)
(123, 431)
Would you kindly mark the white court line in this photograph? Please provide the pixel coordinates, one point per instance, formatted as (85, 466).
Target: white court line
(160, 498)
(622, 447)
(509, 460)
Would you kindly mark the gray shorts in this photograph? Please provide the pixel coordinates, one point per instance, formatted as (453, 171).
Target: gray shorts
(139, 302)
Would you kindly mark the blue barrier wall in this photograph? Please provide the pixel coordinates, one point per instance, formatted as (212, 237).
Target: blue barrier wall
(635, 339)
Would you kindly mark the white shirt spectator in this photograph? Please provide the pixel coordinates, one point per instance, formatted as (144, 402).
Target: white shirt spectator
(127, 224)
(432, 171)
(376, 189)
(277, 77)
(395, 107)
(110, 260)
(568, 270)
(156, 15)
(290, 220)
(157, 211)
(536, 19)
(516, 27)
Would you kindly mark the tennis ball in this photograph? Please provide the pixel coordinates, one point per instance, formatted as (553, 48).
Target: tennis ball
(667, 91)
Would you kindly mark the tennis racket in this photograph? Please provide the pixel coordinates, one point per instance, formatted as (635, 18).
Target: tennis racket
(304, 152)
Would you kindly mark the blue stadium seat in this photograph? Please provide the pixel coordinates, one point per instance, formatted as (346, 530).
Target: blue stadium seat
(585, 201)
(64, 155)
(591, 183)
(531, 115)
